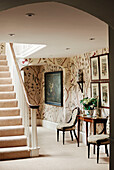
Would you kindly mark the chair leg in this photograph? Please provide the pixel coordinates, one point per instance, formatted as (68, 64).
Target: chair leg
(76, 137)
(97, 153)
(71, 135)
(63, 136)
(88, 150)
(106, 150)
(57, 135)
(94, 149)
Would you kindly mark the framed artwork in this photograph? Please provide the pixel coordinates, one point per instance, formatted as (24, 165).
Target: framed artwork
(54, 88)
(104, 67)
(94, 90)
(104, 88)
(94, 68)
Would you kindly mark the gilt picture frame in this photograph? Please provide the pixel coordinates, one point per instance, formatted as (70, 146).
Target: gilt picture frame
(54, 88)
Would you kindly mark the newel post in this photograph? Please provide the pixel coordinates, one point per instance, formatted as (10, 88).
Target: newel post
(34, 137)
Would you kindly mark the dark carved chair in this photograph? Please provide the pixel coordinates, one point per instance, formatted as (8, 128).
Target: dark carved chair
(69, 126)
(101, 139)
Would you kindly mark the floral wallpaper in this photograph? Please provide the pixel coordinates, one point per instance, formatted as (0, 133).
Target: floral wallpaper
(2, 48)
(34, 83)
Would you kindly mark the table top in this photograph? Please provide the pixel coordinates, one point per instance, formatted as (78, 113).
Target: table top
(88, 117)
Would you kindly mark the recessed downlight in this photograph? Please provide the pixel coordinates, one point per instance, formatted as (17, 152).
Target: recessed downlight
(92, 38)
(30, 14)
(67, 48)
(11, 35)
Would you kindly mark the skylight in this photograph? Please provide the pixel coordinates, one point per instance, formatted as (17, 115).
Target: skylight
(25, 50)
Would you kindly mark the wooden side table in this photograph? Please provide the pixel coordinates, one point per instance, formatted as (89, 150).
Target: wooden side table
(91, 120)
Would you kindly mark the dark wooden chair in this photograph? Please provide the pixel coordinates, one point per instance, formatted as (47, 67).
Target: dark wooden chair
(101, 139)
(69, 126)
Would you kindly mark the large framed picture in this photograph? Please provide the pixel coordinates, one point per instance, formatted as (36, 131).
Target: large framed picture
(104, 88)
(94, 68)
(104, 67)
(54, 88)
(94, 89)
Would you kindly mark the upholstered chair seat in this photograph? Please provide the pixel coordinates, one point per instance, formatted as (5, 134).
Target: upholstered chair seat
(95, 138)
(101, 139)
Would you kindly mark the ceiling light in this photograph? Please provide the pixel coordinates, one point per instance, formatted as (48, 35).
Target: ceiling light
(92, 39)
(67, 48)
(11, 35)
(29, 14)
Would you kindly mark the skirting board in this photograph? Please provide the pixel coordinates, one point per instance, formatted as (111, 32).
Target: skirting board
(52, 126)
(47, 124)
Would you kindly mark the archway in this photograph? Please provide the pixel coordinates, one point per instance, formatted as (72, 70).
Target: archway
(102, 10)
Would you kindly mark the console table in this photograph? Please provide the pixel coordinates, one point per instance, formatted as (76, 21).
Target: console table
(91, 120)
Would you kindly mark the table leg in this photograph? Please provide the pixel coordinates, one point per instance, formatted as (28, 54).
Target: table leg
(94, 131)
(94, 128)
(86, 133)
(78, 131)
(104, 127)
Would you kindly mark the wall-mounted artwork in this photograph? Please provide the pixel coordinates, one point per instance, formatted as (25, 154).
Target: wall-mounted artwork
(94, 68)
(104, 69)
(94, 90)
(54, 88)
(104, 88)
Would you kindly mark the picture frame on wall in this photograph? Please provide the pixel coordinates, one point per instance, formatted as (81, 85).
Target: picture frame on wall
(104, 89)
(104, 67)
(94, 61)
(54, 88)
(94, 89)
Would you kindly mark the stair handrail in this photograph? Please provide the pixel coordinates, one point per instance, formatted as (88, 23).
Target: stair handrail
(21, 80)
(34, 138)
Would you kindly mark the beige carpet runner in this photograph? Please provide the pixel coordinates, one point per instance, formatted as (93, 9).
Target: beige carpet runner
(13, 142)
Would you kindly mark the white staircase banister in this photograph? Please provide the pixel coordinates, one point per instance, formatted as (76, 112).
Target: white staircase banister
(21, 80)
(34, 141)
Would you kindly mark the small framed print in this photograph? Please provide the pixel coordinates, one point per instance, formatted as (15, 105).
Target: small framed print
(104, 88)
(94, 68)
(104, 67)
(94, 90)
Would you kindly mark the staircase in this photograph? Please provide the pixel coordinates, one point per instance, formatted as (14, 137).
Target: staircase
(13, 142)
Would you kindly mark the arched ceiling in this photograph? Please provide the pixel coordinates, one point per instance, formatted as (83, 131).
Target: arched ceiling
(102, 9)
(65, 30)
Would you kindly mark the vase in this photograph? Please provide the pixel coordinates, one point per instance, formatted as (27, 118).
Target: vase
(90, 112)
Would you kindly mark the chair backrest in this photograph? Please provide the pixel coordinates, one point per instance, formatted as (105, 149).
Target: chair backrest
(75, 112)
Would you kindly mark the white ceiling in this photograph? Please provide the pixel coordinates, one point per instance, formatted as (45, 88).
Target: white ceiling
(56, 25)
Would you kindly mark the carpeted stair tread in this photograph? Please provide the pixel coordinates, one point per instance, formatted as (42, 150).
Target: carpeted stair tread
(2, 57)
(10, 138)
(7, 95)
(8, 103)
(12, 149)
(13, 141)
(14, 153)
(4, 74)
(4, 68)
(10, 117)
(6, 87)
(5, 80)
(11, 111)
(11, 130)
(10, 120)
(3, 62)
